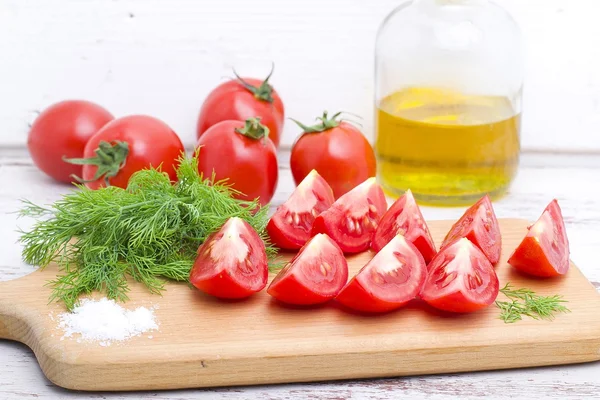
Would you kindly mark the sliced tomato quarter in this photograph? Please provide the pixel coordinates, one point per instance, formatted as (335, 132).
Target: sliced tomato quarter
(544, 251)
(391, 279)
(352, 220)
(404, 217)
(460, 279)
(231, 263)
(314, 276)
(291, 224)
(480, 225)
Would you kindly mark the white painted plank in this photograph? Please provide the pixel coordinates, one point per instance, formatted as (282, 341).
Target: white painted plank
(541, 178)
(162, 58)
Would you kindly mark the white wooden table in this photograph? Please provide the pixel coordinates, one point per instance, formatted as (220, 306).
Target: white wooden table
(573, 179)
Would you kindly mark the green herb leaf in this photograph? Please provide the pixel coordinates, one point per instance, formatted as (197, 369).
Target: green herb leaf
(524, 302)
(149, 231)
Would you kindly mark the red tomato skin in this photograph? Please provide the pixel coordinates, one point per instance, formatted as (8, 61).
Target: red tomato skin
(280, 239)
(456, 303)
(490, 243)
(332, 221)
(341, 155)
(223, 286)
(419, 236)
(232, 101)
(289, 235)
(290, 291)
(63, 129)
(249, 165)
(151, 143)
(529, 257)
(355, 296)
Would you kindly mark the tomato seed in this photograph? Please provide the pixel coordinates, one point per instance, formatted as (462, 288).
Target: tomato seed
(314, 213)
(358, 228)
(323, 270)
(472, 282)
(367, 222)
(377, 278)
(372, 208)
(351, 225)
(478, 278)
(327, 266)
(445, 280)
(289, 219)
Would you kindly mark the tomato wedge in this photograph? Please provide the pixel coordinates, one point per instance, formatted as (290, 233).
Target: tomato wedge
(391, 279)
(404, 217)
(290, 226)
(544, 251)
(352, 220)
(314, 276)
(480, 225)
(461, 279)
(231, 263)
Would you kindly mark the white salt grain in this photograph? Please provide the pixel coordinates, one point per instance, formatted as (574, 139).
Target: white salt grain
(105, 321)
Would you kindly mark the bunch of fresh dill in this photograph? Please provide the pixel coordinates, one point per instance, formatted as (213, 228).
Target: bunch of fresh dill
(525, 302)
(149, 231)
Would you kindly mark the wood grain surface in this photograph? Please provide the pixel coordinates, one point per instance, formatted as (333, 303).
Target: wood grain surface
(204, 342)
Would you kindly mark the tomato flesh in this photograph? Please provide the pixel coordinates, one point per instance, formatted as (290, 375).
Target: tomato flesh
(391, 279)
(404, 217)
(352, 220)
(460, 279)
(480, 225)
(290, 226)
(314, 276)
(544, 251)
(231, 263)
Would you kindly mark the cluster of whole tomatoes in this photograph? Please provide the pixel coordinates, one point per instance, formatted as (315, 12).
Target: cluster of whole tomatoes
(459, 277)
(239, 128)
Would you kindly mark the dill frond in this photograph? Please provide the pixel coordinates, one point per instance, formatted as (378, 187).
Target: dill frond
(525, 302)
(149, 231)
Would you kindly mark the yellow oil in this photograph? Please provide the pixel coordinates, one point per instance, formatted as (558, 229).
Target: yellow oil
(448, 148)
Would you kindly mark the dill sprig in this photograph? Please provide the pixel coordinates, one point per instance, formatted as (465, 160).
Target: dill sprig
(150, 231)
(524, 302)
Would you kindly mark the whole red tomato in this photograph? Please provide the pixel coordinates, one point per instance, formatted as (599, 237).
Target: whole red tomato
(62, 130)
(242, 99)
(337, 150)
(127, 145)
(243, 154)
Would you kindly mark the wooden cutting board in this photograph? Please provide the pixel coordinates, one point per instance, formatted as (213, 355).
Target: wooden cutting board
(205, 342)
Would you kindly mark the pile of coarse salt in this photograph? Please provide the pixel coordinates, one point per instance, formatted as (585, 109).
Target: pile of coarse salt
(105, 321)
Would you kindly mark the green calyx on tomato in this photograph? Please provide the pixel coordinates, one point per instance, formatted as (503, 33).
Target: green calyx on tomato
(254, 129)
(325, 124)
(264, 92)
(110, 158)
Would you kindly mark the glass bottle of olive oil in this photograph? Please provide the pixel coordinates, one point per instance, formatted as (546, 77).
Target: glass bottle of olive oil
(449, 79)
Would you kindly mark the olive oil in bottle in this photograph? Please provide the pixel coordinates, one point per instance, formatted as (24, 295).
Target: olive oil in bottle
(448, 148)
